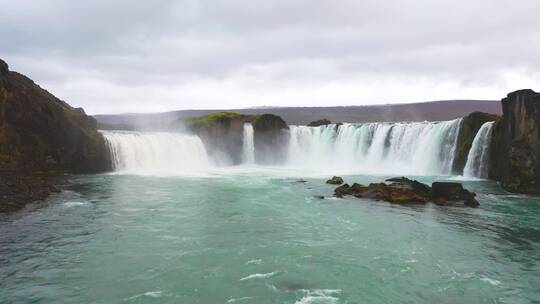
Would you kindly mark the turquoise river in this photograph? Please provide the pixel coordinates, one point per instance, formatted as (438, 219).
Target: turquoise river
(259, 235)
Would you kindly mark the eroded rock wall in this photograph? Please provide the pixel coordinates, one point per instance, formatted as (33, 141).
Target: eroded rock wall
(515, 146)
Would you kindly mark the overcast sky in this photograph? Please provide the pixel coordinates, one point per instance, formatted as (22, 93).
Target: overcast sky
(149, 56)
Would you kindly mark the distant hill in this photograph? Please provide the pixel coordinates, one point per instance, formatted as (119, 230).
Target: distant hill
(431, 111)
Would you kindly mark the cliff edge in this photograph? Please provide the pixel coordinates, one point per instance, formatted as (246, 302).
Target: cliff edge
(515, 146)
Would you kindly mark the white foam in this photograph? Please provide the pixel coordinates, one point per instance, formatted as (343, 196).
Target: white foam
(258, 276)
(239, 299)
(153, 294)
(320, 296)
(491, 281)
(74, 204)
(255, 262)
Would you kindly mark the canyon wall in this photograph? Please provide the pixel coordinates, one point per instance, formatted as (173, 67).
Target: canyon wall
(41, 133)
(515, 146)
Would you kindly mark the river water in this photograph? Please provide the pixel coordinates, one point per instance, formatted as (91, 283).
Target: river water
(258, 235)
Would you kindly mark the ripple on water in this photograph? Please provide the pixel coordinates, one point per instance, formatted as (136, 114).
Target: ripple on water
(319, 296)
(258, 276)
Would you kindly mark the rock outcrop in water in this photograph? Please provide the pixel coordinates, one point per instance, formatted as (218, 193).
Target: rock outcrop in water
(17, 190)
(405, 191)
(222, 134)
(271, 139)
(515, 145)
(469, 127)
(41, 134)
(335, 180)
(320, 122)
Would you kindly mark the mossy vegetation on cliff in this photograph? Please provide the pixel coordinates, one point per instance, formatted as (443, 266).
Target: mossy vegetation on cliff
(215, 118)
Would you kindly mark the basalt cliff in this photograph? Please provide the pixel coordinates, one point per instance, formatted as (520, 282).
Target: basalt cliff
(41, 134)
(515, 145)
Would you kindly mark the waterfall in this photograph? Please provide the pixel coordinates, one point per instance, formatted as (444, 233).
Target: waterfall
(248, 148)
(478, 159)
(156, 152)
(423, 148)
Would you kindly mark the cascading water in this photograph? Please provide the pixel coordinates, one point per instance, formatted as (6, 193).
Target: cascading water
(478, 159)
(248, 149)
(423, 148)
(156, 152)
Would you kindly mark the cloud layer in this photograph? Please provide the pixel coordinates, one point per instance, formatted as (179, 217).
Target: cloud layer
(148, 56)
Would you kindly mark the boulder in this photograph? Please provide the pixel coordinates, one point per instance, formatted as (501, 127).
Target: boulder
(405, 191)
(320, 122)
(271, 139)
(515, 145)
(336, 180)
(445, 192)
(395, 192)
(467, 131)
(342, 190)
(417, 186)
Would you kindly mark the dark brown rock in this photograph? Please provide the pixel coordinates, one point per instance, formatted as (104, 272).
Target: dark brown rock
(343, 190)
(18, 190)
(335, 180)
(320, 122)
(515, 145)
(416, 186)
(445, 192)
(405, 191)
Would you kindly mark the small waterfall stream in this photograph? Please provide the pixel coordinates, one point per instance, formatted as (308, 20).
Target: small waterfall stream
(248, 148)
(478, 159)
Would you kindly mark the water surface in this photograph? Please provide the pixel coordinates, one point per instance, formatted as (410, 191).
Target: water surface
(263, 237)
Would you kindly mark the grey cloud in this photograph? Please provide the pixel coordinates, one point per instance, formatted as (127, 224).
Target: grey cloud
(99, 54)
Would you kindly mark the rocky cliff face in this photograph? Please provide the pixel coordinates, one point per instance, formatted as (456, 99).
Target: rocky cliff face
(41, 133)
(270, 138)
(222, 135)
(515, 146)
(468, 129)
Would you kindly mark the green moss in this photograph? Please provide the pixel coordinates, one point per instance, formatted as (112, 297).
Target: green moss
(208, 120)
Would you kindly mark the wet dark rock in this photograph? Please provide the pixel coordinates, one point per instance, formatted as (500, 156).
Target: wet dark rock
(515, 145)
(320, 122)
(417, 186)
(445, 192)
(321, 197)
(335, 180)
(467, 131)
(406, 191)
(18, 190)
(343, 190)
(271, 139)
